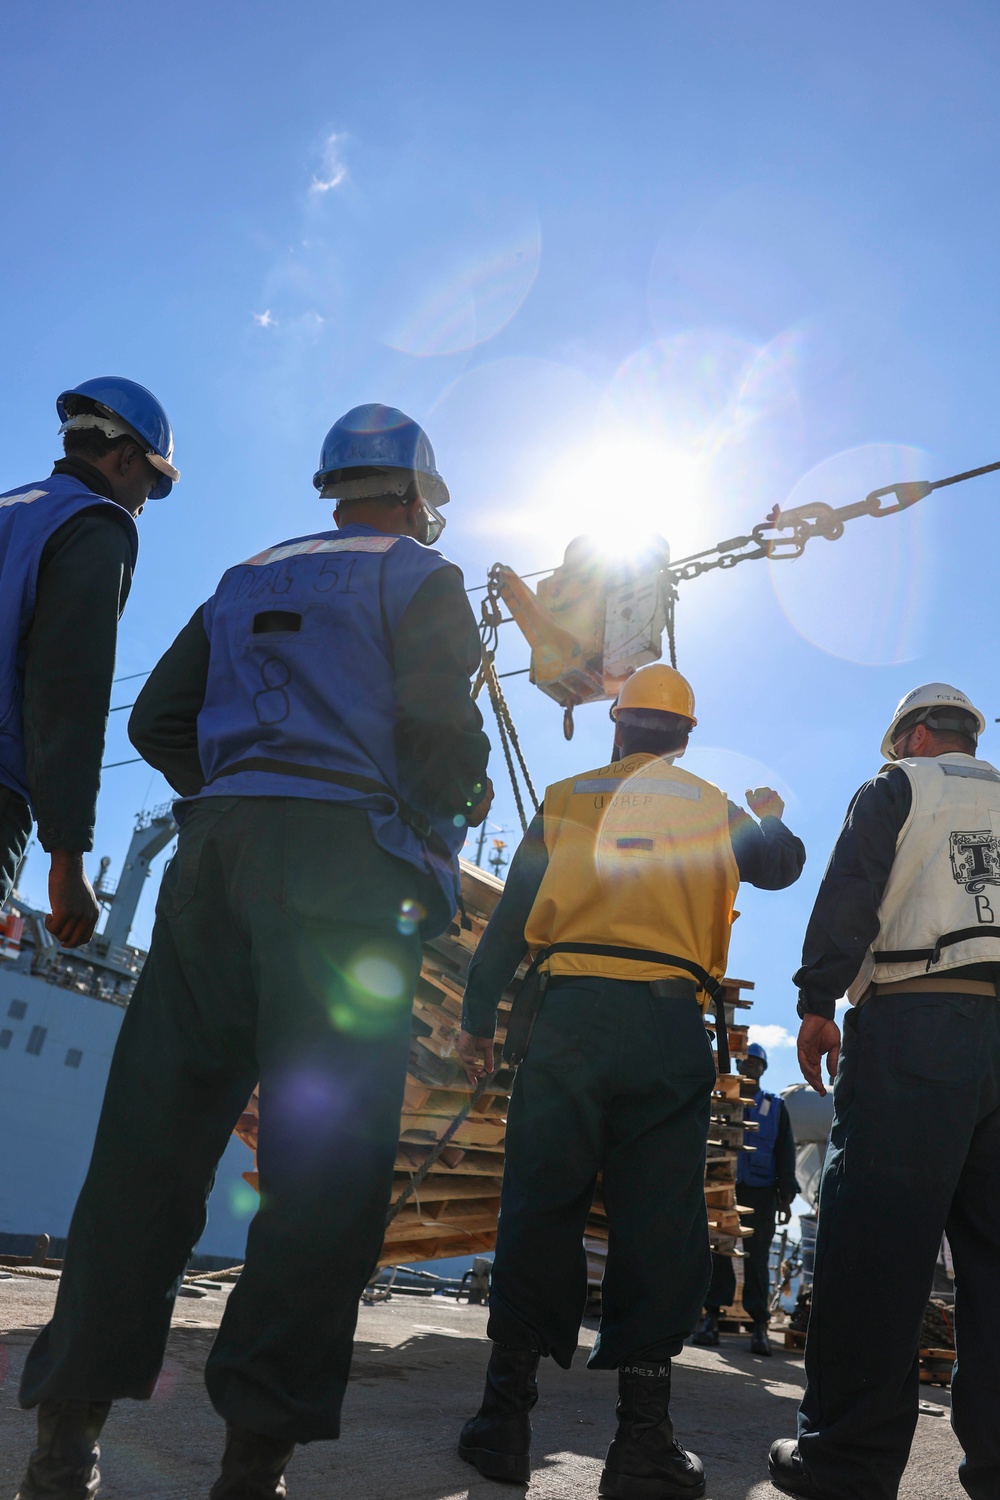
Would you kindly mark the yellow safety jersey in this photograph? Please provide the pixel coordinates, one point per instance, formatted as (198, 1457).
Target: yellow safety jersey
(639, 856)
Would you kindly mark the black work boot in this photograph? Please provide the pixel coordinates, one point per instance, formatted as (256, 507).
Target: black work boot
(497, 1440)
(645, 1462)
(788, 1473)
(64, 1464)
(252, 1467)
(708, 1334)
(759, 1341)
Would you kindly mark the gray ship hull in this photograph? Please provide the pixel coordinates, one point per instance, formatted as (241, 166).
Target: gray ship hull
(54, 1059)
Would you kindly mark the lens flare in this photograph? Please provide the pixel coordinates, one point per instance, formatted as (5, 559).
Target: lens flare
(243, 1201)
(378, 977)
(641, 824)
(365, 998)
(684, 388)
(411, 914)
(445, 313)
(166, 1382)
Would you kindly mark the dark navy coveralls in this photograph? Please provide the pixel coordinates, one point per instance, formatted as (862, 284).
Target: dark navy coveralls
(915, 1152)
(286, 948)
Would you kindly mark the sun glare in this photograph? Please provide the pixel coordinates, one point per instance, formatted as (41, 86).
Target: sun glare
(621, 489)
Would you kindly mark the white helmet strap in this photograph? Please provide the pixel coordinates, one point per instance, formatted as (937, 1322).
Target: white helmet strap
(114, 427)
(371, 487)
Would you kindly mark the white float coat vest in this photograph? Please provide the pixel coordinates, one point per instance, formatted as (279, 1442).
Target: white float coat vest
(941, 907)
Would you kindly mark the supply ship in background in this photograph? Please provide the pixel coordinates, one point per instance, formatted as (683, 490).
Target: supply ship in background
(60, 1013)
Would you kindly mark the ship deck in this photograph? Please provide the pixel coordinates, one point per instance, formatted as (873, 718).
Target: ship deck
(417, 1374)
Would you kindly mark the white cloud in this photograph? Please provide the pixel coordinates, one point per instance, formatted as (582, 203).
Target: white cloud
(264, 319)
(771, 1036)
(842, 1005)
(334, 169)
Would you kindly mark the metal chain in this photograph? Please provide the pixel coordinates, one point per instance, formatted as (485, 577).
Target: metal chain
(490, 677)
(492, 619)
(807, 521)
(511, 731)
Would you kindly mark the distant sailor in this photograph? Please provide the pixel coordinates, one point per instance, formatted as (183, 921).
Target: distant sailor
(765, 1184)
(68, 546)
(315, 716)
(907, 923)
(623, 890)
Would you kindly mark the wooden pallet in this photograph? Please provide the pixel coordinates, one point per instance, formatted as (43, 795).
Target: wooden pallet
(936, 1366)
(455, 1209)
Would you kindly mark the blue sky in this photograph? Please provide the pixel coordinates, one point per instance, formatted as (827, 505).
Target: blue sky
(650, 265)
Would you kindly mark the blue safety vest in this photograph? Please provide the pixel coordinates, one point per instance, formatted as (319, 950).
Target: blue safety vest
(300, 698)
(28, 517)
(757, 1168)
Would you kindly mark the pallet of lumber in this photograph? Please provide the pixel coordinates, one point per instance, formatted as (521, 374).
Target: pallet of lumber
(937, 1366)
(455, 1209)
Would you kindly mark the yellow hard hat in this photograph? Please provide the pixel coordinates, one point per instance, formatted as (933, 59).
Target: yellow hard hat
(659, 687)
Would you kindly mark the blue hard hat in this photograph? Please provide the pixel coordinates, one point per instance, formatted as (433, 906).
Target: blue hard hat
(756, 1050)
(139, 411)
(380, 437)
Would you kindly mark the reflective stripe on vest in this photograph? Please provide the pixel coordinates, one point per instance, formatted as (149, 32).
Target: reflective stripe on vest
(941, 907)
(300, 700)
(28, 518)
(639, 856)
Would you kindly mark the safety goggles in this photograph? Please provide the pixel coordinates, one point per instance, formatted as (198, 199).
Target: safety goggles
(435, 521)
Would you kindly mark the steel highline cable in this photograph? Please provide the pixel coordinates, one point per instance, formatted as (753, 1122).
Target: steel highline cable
(804, 522)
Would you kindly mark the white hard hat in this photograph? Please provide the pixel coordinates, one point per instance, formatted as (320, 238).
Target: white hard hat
(944, 707)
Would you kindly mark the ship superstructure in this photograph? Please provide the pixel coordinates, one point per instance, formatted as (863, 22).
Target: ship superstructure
(60, 1013)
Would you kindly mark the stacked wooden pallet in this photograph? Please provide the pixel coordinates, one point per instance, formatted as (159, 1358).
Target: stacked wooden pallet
(454, 1211)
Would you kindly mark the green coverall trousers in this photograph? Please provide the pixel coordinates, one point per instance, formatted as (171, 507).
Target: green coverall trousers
(618, 1082)
(279, 953)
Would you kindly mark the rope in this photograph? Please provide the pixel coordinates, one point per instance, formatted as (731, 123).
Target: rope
(508, 738)
(490, 678)
(670, 607)
(416, 1178)
(230, 1271)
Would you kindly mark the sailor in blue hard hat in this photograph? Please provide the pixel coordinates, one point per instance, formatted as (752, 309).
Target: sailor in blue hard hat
(316, 716)
(128, 418)
(68, 545)
(379, 454)
(765, 1184)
